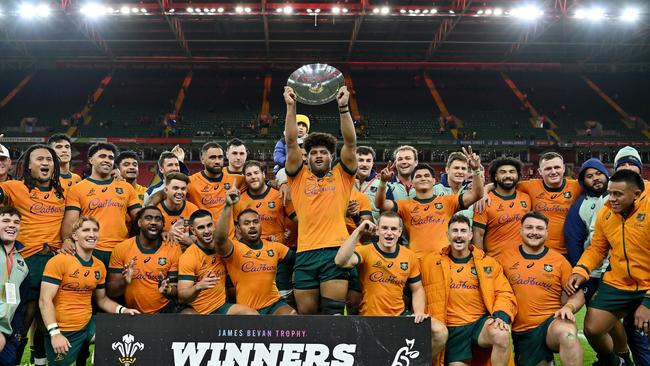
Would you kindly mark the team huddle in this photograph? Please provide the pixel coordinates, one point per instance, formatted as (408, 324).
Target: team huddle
(493, 266)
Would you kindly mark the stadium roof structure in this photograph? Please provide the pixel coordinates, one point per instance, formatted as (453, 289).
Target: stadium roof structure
(355, 33)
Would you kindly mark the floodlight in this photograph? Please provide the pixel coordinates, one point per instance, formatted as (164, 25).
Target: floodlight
(425, 11)
(29, 11)
(135, 10)
(190, 10)
(278, 10)
(220, 10)
(593, 14)
(317, 11)
(336, 10)
(385, 10)
(488, 12)
(375, 10)
(125, 10)
(498, 12)
(309, 11)
(239, 9)
(172, 10)
(433, 11)
(288, 9)
(630, 15)
(480, 12)
(416, 11)
(43, 10)
(247, 9)
(213, 10)
(345, 10)
(93, 10)
(452, 12)
(402, 11)
(527, 12)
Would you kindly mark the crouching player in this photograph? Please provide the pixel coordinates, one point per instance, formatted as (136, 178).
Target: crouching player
(68, 285)
(383, 284)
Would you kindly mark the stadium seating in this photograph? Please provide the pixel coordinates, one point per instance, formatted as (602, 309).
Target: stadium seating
(50, 96)
(135, 102)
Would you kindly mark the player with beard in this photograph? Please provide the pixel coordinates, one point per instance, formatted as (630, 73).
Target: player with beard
(426, 216)
(545, 321)
(552, 195)
(61, 145)
(144, 268)
(202, 273)
(207, 188)
(386, 268)
(367, 181)
(320, 192)
(127, 164)
(40, 200)
(401, 185)
(176, 209)
(468, 292)
(66, 295)
(622, 231)
(252, 262)
(104, 198)
(274, 215)
(496, 229)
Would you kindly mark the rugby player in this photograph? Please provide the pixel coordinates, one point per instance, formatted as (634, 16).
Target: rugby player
(61, 144)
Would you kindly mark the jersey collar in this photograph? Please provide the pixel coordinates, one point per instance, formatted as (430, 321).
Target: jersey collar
(211, 180)
(425, 200)
(559, 189)
(206, 250)
(83, 262)
(260, 196)
(101, 182)
(66, 176)
(256, 246)
(144, 250)
(171, 212)
(461, 260)
(385, 254)
(532, 256)
(506, 198)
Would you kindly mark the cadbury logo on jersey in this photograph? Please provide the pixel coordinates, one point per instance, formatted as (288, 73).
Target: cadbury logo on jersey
(43, 209)
(98, 203)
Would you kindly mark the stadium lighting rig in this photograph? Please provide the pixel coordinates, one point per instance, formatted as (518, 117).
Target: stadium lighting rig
(630, 15)
(31, 11)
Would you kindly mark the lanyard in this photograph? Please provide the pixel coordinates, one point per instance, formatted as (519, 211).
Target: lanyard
(10, 261)
(358, 187)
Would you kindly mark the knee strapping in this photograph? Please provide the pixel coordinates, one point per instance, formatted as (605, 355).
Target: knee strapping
(332, 307)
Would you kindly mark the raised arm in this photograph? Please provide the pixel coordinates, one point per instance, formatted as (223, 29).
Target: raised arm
(381, 202)
(224, 245)
(476, 193)
(294, 155)
(349, 149)
(345, 257)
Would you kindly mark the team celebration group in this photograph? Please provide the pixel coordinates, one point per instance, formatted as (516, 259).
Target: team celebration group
(496, 267)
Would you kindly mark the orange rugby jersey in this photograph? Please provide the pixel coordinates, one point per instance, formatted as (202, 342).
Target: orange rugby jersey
(172, 216)
(41, 215)
(139, 192)
(555, 204)
(383, 278)
(465, 304)
(272, 212)
(252, 270)
(77, 280)
(537, 281)
(150, 265)
(196, 263)
(365, 209)
(109, 202)
(68, 180)
(238, 176)
(426, 221)
(210, 193)
(502, 221)
(321, 205)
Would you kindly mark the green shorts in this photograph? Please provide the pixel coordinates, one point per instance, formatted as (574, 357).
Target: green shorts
(530, 345)
(616, 301)
(316, 266)
(36, 264)
(283, 277)
(461, 339)
(103, 256)
(77, 340)
(170, 308)
(222, 310)
(271, 309)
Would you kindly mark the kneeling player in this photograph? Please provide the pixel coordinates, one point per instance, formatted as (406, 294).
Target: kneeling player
(144, 268)
(69, 282)
(537, 275)
(385, 268)
(251, 262)
(468, 291)
(202, 274)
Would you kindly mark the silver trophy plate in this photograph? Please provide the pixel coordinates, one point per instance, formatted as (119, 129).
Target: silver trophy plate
(316, 84)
